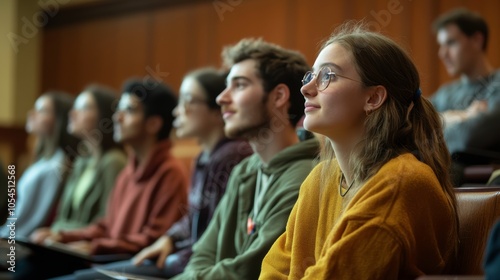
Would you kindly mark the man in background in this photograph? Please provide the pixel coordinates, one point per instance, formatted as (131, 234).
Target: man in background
(470, 105)
(262, 104)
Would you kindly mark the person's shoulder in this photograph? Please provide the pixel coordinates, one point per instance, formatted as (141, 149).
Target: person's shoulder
(326, 169)
(495, 79)
(448, 87)
(407, 174)
(111, 167)
(47, 165)
(308, 147)
(295, 172)
(492, 255)
(231, 150)
(79, 164)
(58, 157)
(408, 165)
(302, 153)
(169, 174)
(162, 162)
(113, 157)
(170, 165)
(249, 164)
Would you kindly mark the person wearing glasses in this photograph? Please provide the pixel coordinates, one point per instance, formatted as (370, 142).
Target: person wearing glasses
(150, 193)
(261, 103)
(380, 205)
(197, 115)
(470, 106)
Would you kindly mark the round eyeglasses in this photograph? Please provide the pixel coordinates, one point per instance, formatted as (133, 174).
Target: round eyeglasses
(324, 77)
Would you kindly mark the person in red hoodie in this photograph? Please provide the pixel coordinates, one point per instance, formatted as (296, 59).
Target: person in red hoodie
(151, 192)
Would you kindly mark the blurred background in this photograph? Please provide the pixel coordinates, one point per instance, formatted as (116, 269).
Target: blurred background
(67, 44)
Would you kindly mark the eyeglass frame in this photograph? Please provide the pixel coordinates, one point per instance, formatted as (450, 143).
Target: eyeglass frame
(331, 76)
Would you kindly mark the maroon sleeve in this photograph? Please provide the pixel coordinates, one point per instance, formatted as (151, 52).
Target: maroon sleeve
(168, 202)
(90, 232)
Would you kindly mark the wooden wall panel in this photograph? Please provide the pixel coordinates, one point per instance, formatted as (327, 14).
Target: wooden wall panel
(172, 45)
(392, 17)
(105, 51)
(59, 68)
(257, 18)
(202, 29)
(181, 37)
(490, 11)
(156, 37)
(50, 59)
(423, 47)
(130, 55)
(13, 141)
(314, 25)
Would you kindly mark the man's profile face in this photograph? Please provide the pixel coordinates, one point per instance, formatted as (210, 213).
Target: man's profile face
(243, 102)
(129, 120)
(457, 51)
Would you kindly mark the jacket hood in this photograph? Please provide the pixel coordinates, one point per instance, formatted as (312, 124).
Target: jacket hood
(305, 150)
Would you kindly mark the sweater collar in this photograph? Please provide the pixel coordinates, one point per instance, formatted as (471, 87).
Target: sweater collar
(159, 154)
(303, 150)
(307, 149)
(200, 162)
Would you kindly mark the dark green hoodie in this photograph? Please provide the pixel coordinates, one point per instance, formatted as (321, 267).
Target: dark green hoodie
(226, 250)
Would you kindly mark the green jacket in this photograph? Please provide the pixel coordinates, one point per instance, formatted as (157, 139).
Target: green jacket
(226, 250)
(95, 201)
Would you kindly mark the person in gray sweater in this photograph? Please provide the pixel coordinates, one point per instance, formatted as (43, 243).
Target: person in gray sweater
(469, 106)
(99, 161)
(40, 186)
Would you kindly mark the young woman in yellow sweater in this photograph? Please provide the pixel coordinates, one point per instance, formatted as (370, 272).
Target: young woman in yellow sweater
(381, 204)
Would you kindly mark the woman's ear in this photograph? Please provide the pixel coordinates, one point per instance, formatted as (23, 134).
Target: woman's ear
(376, 97)
(281, 95)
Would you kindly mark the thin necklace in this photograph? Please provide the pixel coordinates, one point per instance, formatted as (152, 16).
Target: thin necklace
(340, 185)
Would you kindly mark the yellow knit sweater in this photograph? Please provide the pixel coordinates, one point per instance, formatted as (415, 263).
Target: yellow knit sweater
(398, 225)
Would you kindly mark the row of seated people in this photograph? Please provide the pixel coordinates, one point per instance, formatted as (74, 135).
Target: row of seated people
(147, 195)
(384, 171)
